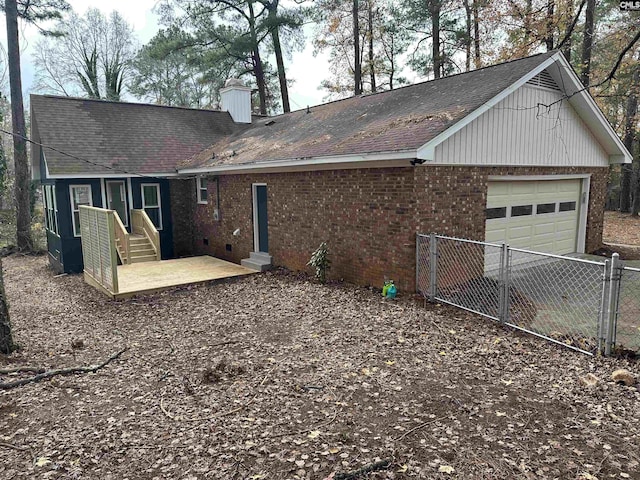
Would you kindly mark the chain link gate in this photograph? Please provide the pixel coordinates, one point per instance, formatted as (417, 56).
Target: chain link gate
(571, 301)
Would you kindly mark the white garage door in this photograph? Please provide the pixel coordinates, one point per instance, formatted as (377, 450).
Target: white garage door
(541, 215)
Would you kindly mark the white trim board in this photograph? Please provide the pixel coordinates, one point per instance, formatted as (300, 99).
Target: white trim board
(332, 162)
(535, 178)
(254, 204)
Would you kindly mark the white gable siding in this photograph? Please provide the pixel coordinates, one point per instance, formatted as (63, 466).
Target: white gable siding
(521, 131)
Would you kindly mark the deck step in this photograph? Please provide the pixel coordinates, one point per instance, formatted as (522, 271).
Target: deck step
(143, 258)
(141, 248)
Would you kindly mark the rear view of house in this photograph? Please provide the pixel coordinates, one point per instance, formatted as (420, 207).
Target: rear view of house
(517, 153)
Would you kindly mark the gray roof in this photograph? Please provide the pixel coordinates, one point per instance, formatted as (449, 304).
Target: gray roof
(122, 137)
(392, 121)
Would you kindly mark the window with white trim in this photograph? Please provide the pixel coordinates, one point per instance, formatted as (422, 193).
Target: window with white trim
(151, 203)
(50, 209)
(202, 189)
(79, 195)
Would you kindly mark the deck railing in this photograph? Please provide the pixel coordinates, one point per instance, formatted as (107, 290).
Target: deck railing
(97, 230)
(122, 236)
(141, 224)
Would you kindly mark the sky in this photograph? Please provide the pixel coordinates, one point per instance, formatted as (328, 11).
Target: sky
(303, 68)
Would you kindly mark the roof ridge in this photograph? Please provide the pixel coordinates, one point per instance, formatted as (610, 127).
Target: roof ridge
(120, 102)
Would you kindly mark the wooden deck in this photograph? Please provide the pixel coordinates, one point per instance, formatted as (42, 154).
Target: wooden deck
(151, 277)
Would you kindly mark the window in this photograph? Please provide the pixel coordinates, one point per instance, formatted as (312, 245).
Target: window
(567, 206)
(521, 210)
(50, 209)
(545, 208)
(498, 212)
(80, 195)
(202, 189)
(151, 203)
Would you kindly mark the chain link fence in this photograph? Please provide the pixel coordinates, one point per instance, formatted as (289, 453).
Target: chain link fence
(627, 332)
(585, 305)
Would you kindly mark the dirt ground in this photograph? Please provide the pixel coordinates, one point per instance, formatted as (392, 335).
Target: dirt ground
(274, 377)
(621, 228)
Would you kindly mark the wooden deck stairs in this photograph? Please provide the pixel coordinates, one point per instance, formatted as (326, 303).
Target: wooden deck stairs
(140, 250)
(142, 244)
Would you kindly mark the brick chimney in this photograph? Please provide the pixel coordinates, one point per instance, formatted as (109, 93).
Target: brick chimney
(235, 98)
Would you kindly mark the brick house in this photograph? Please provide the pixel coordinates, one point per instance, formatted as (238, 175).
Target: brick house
(517, 152)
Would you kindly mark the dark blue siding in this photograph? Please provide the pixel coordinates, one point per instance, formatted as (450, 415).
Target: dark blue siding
(71, 246)
(65, 251)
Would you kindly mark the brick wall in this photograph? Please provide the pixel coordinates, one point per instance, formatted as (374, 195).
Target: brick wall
(369, 217)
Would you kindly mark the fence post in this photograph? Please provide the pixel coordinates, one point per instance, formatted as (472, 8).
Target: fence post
(503, 308)
(612, 310)
(433, 266)
(604, 307)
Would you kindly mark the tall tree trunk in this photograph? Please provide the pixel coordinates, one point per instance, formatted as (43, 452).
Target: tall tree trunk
(258, 69)
(635, 208)
(587, 42)
(22, 181)
(372, 66)
(630, 115)
(357, 68)
(392, 65)
(476, 34)
(6, 339)
(527, 22)
(567, 45)
(277, 49)
(434, 10)
(548, 40)
(282, 74)
(467, 40)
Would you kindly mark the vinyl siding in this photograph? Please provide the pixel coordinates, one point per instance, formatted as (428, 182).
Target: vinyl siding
(522, 131)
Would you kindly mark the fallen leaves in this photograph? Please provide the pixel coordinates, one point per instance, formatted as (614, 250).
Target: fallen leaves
(350, 380)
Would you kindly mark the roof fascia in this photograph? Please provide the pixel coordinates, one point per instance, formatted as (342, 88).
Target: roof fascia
(71, 176)
(337, 161)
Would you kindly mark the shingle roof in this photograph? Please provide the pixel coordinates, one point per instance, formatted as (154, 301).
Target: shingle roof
(143, 138)
(396, 120)
(130, 137)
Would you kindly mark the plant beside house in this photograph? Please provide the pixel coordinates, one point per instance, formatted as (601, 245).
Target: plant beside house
(320, 261)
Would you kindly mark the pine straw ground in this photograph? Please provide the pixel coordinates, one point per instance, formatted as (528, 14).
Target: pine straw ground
(276, 377)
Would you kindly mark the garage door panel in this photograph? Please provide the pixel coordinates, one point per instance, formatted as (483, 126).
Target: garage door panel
(544, 228)
(550, 230)
(520, 232)
(566, 225)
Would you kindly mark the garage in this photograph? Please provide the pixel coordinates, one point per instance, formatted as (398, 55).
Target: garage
(537, 215)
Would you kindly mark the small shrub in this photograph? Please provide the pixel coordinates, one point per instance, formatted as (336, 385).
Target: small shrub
(320, 261)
